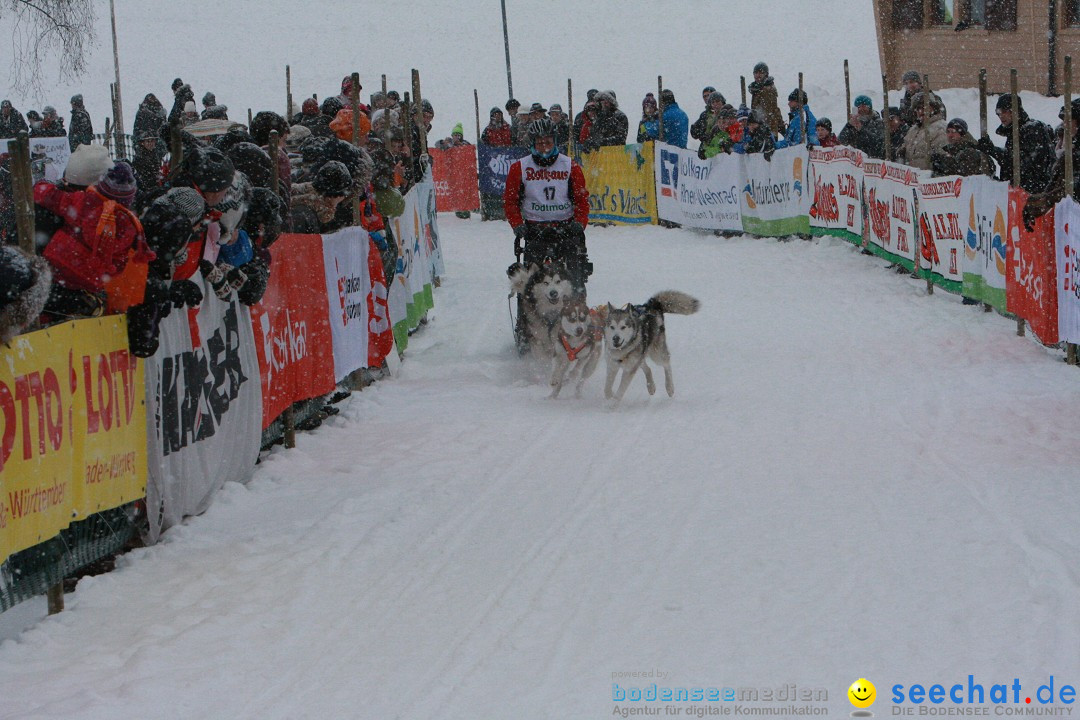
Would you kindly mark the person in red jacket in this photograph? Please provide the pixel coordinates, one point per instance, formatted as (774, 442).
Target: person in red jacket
(99, 236)
(547, 205)
(497, 133)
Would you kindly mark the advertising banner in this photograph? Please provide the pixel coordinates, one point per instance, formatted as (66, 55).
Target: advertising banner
(836, 175)
(72, 428)
(1067, 240)
(622, 189)
(941, 208)
(355, 299)
(204, 400)
(494, 165)
(985, 203)
(410, 295)
(890, 190)
(698, 193)
(775, 201)
(456, 179)
(1031, 270)
(292, 327)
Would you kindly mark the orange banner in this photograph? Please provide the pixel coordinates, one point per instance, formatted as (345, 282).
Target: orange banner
(457, 184)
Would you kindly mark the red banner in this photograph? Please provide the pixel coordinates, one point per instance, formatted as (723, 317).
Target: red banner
(292, 330)
(1031, 270)
(381, 335)
(457, 184)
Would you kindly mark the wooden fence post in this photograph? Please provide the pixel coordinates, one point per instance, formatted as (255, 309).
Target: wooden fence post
(1015, 88)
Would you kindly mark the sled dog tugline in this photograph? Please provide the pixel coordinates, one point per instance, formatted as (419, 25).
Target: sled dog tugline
(547, 205)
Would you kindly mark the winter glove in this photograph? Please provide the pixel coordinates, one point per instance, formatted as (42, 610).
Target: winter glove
(379, 239)
(68, 302)
(986, 145)
(185, 292)
(258, 275)
(143, 329)
(217, 276)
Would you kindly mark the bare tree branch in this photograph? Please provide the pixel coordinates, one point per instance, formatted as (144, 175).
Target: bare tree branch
(45, 33)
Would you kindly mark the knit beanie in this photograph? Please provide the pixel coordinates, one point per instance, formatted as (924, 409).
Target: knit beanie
(188, 201)
(332, 180)
(863, 100)
(310, 107)
(957, 124)
(87, 164)
(118, 184)
(1005, 102)
(649, 101)
(458, 130)
(911, 75)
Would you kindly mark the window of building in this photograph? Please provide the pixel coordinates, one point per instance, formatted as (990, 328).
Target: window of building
(974, 12)
(941, 12)
(907, 14)
(1072, 13)
(1001, 14)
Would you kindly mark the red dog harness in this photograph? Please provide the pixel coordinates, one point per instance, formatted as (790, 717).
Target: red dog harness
(572, 352)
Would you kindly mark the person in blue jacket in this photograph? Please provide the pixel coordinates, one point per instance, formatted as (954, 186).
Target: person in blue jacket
(676, 123)
(795, 135)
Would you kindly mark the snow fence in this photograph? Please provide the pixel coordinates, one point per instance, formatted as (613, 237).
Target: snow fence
(86, 427)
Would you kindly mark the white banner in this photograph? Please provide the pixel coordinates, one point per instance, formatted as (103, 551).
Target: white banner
(345, 259)
(204, 407)
(890, 191)
(775, 197)
(985, 203)
(425, 203)
(412, 283)
(698, 193)
(1067, 240)
(836, 175)
(941, 236)
(48, 158)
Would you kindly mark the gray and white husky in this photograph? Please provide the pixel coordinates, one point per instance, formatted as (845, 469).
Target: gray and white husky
(633, 333)
(543, 290)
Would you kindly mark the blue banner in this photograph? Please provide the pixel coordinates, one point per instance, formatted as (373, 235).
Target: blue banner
(494, 164)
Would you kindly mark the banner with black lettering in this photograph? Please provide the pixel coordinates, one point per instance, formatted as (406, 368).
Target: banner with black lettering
(775, 200)
(204, 408)
(836, 175)
(622, 189)
(940, 236)
(698, 193)
(48, 158)
(890, 190)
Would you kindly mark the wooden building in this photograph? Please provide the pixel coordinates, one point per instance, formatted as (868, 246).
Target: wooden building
(950, 40)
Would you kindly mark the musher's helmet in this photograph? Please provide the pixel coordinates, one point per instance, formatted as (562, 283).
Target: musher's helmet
(538, 129)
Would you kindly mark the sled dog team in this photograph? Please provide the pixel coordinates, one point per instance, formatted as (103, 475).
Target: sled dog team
(558, 326)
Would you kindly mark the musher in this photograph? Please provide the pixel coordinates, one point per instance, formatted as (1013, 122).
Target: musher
(547, 205)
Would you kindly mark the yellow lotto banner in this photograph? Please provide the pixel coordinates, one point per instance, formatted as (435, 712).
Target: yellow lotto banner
(72, 428)
(621, 185)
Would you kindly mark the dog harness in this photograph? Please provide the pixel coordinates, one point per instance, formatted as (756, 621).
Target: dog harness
(572, 352)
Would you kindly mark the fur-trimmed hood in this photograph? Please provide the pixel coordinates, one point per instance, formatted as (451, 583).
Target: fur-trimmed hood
(19, 313)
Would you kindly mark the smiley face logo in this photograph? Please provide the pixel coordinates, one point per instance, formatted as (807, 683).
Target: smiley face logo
(862, 693)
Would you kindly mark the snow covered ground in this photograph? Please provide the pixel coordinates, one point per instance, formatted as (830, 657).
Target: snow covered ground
(854, 479)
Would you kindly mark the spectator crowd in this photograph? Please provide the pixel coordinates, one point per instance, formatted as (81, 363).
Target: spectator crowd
(120, 236)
